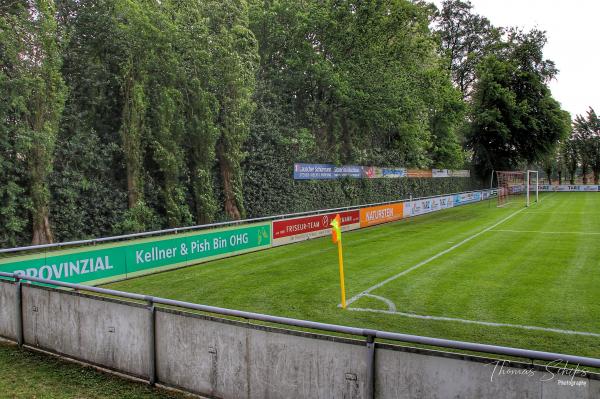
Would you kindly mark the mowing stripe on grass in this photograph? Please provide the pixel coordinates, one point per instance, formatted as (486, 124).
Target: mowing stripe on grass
(548, 232)
(483, 323)
(543, 197)
(426, 261)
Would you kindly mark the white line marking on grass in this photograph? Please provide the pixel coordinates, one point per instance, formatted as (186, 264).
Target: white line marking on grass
(483, 323)
(426, 261)
(548, 232)
(390, 304)
(565, 213)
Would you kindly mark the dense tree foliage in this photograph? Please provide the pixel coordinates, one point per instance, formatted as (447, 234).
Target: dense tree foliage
(128, 115)
(30, 75)
(577, 157)
(515, 120)
(466, 39)
(586, 138)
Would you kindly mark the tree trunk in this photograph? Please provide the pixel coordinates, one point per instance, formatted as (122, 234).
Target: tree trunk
(42, 233)
(572, 177)
(228, 176)
(40, 164)
(559, 178)
(131, 132)
(549, 174)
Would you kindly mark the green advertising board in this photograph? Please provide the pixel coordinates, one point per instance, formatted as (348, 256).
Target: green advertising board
(109, 262)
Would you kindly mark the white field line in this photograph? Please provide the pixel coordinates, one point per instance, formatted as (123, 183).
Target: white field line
(426, 261)
(483, 323)
(548, 232)
(565, 213)
(390, 304)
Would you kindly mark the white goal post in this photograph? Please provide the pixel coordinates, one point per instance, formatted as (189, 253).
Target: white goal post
(533, 184)
(517, 187)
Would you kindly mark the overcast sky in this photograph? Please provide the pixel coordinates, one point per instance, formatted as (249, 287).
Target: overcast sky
(573, 31)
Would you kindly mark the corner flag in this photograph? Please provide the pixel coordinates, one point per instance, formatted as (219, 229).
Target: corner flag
(336, 229)
(336, 235)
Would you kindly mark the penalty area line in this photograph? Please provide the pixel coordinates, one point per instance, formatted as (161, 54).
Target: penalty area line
(426, 261)
(482, 323)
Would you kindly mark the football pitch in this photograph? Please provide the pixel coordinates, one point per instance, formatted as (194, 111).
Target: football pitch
(513, 276)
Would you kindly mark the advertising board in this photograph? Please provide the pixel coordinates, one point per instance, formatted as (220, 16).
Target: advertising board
(286, 231)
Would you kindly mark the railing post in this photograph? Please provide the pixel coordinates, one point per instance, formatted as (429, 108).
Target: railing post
(19, 308)
(370, 378)
(152, 342)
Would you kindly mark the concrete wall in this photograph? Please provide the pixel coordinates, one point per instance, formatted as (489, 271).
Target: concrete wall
(419, 374)
(231, 359)
(98, 330)
(8, 310)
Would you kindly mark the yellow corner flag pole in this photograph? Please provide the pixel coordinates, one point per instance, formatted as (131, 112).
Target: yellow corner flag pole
(341, 258)
(336, 235)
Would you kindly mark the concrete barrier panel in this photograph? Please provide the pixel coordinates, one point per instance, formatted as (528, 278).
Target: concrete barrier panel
(291, 366)
(404, 374)
(98, 330)
(201, 356)
(561, 387)
(8, 310)
(235, 360)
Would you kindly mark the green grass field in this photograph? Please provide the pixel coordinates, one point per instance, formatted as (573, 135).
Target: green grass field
(27, 374)
(514, 276)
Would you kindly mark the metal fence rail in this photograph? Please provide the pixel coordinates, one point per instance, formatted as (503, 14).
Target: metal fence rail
(370, 334)
(214, 225)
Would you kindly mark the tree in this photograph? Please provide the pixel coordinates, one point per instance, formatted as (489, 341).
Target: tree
(447, 122)
(364, 79)
(14, 203)
(466, 39)
(88, 181)
(235, 61)
(586, 134)
(514, 118)
(128, 115)
(549, 166)
(570, 154)
(199, 105)
(32, 67)
(560, 162)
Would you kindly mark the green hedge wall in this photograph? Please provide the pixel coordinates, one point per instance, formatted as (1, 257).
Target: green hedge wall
(269, 187)
(282, 194)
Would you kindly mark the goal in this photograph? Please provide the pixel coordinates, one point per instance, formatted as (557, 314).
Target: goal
(516, 187)
(533, 187)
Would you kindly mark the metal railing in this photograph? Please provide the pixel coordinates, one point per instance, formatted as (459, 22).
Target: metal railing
(176, 230)
(370, 334)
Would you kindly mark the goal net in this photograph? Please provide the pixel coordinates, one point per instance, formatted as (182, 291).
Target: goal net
(515, 187)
